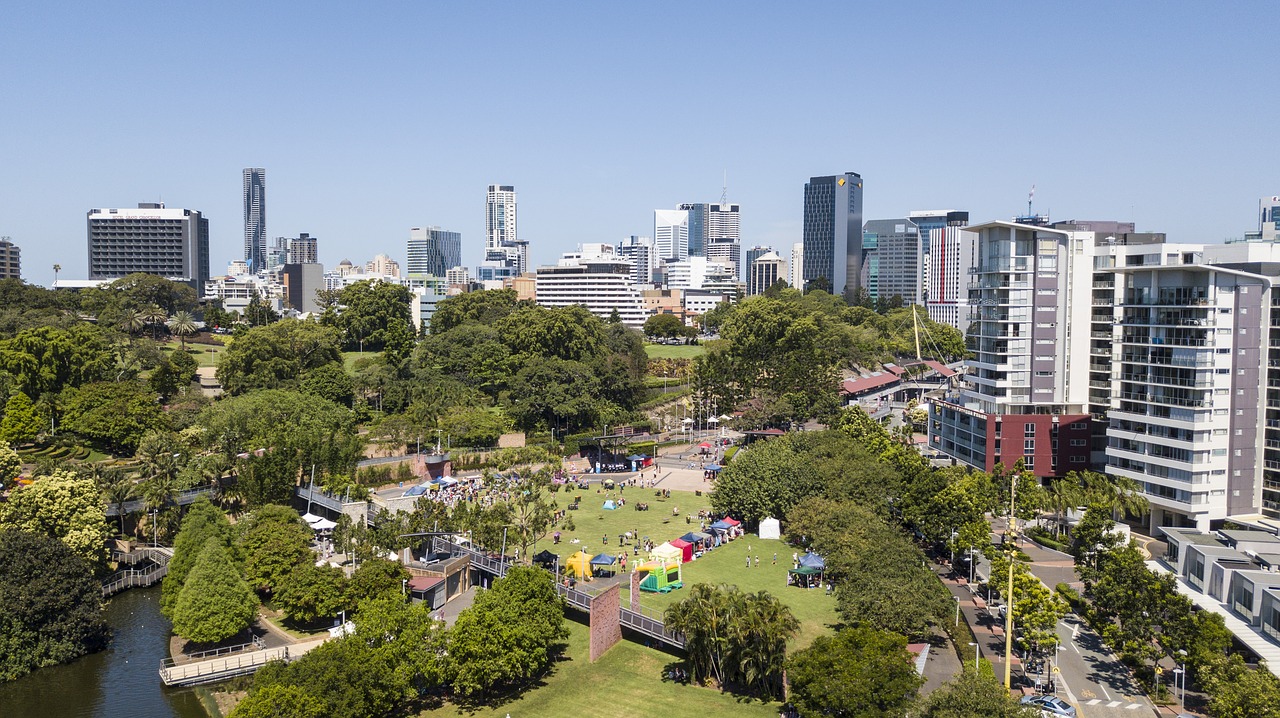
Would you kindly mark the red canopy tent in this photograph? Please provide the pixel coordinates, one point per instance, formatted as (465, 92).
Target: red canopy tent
(732, 522)
(685, 547)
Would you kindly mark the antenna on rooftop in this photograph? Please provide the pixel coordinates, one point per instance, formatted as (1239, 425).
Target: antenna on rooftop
(1030, 196)
(724, 194)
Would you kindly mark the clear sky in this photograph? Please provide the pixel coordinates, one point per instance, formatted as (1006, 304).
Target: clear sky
(372, 118)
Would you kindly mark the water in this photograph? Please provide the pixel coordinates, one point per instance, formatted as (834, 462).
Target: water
(120, 682)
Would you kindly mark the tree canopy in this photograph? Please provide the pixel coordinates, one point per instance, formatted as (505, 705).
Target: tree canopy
(215, 603)
(277, 356)
(112, 415)
(63, 506)
(857, 672)
(202, 522)
(373, 315)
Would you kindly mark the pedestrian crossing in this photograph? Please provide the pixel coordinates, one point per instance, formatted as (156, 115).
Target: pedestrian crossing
(1113, 704)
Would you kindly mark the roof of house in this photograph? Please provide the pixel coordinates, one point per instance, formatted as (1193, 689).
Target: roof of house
(868, 383)
(424, 583)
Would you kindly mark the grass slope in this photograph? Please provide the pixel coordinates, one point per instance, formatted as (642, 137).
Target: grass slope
(626, 681)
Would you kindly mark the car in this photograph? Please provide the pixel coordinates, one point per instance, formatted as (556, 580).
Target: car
(1049, 705)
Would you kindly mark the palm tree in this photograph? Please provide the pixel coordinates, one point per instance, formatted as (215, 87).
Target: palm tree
(1063, 495)
(118, 488)
(154, 316)
(184, 325)
(131, 321)
(56, 268)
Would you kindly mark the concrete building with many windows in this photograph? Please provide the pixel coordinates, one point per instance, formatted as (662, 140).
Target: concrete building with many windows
(698, 212)
(727, 252)
(10, 260)
(947, 276)
(796, 271)
(671, 234)
(894, 265)
(594, 277)
(641, 252)
(433, 251)
(767, 270)
(833, 232)
(153, 239)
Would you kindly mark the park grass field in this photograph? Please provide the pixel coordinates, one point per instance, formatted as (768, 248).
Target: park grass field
(627, 681)
(815, 610)
(204, 354)
(349, 360)
(674, 351)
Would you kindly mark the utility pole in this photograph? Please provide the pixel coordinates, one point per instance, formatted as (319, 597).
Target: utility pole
(1008, 617)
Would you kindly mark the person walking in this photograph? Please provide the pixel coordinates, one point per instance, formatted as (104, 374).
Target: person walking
(748, 561)
(757, 561)
(775, 558)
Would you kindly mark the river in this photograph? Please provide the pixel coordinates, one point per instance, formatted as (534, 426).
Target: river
(120, 682)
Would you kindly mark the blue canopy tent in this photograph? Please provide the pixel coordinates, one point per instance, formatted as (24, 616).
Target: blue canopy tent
(714, 467)
(720, 526)
(603, 562)
(692, 537)
(812, 560)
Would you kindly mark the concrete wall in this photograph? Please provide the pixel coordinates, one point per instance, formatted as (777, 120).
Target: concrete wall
(605, 621)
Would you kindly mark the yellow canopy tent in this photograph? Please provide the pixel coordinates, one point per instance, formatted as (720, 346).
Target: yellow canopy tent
(666, 553)
(579, 566)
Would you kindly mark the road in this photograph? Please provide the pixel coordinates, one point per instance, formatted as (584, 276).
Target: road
(1091, 677)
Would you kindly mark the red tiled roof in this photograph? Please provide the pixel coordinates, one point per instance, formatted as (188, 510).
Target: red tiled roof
(894, 369)
(867, 383)
(941, 368)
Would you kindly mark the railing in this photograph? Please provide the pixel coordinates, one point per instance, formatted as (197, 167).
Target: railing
(182, 498)
(131, 578)
(257, 644)
(194, 674)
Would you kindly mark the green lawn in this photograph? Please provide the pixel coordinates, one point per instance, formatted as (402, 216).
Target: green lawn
(813, 608)
(674, 351)
(204, 354)
(626, 681)
(349, 359)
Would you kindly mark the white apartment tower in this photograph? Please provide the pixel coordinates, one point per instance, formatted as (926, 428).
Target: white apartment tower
(796, 274)
(671, 233)
(596, 278)
(947, 276)
(500, 216)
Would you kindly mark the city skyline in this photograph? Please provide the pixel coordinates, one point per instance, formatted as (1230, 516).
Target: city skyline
(369, 129)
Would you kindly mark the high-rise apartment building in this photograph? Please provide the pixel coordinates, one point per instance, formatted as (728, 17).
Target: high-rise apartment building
(10, 261)
(796, 270)
(950, 257)
(765, 271)
(894, 263)
(1026, 396)
(641, 252)
(171, 243)
(722, 222)
(500, 216)
(833, 232)
(671, 233)
(384, 266)
(255, 218)
(727, 252)
(304, 249)
(433, 251)
(1268, 221)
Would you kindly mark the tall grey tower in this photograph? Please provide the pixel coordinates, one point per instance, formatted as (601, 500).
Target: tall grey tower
(833, 232)
(255, 218)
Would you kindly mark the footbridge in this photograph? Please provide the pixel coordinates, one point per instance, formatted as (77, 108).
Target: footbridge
(183, 498)
(223, 663)
(156, 567)
(645, 622)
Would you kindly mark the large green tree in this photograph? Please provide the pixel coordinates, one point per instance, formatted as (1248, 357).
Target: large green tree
(277, 355)
(969, 695)
(375, 579)
(112, 415)
(202, 522)
(215, 602)
(273, 542)
(52, 605)
(22, 421)
(374, 315)
(509, 635)
(280, 701)
(10, 465)
(859, 672)
(311, 593)
(64, 506)
(485, 307)
(50, 359)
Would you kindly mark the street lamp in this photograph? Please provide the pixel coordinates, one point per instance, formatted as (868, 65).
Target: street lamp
(1182, 675)
(957, 598)
(977, 656)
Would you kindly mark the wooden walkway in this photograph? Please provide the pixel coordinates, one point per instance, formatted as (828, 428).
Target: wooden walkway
(133, 577)
(220, 668)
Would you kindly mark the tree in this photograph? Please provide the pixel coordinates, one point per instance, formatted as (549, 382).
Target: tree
(63, 506)
(857, 672)
(215, 603)
(1237, 691)
(351, 678)
(532, 511)
(378, 578)
(1036, 609)
(310, 593)
(374, 315)
(768, 480)
(485, 307)
(664, 326)
(330, 381)
(555, 392)
(10, 465)
(202, 522)
(49, 359)
(280, 701)
(970, 694)
(509, 635)
(474, 427)
(52, 604)
(112, 415)
(273, 542)
(183, 324)
(276, 355)
(164, 380)
(21, 422)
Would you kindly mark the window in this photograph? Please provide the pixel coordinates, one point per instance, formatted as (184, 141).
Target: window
(1029, 429)
(1029, 446)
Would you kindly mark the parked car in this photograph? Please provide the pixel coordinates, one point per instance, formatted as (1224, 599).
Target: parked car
(1049, 705)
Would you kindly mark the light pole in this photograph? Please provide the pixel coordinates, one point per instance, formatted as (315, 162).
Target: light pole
(977, 656)
(957, 598)
(1182, 676)
(1008, 618)
(403, 582)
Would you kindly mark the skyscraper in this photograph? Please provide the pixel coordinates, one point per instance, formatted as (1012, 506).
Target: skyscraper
(10, 266)
(640, 251)
(500, 216)
(796, 270)
(697, 227)
(833, 232)
(671, 233)
(894, 268)
(433, 251)
(303, 249)
(171, 243)
(255, 218)
(722, 223)
(765, 271)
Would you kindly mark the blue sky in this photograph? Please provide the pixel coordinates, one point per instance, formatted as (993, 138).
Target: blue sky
(371, 120)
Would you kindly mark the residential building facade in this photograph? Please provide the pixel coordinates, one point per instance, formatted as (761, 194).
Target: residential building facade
(10, 260)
